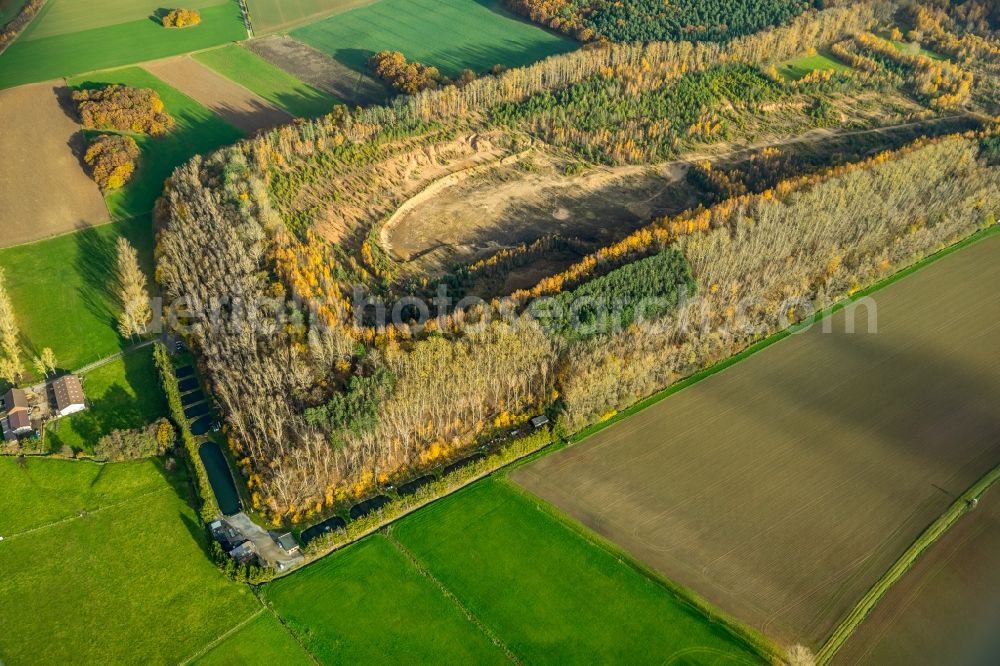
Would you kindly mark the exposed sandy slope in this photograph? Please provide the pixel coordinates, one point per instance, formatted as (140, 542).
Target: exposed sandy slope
(44, 190)
(236, 104)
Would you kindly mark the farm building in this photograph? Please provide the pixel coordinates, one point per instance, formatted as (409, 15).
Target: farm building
(287, 543)
(15, 399)
(18, 420)
(243, 553)
(69, 395)
(16, 423)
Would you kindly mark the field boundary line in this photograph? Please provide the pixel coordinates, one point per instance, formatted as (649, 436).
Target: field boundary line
(743, 633)
(223, 636)
(760, 345)
(84, 513)
(288, 630)
(451, 596)
(960, 507)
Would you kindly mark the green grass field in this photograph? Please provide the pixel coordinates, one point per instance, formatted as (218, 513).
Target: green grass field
(270, 15)
(796, 68)
(62, 290)
(197, 131)
(123, 394)
(449, 34)
(573, 601)
(262, 642)
(60, 17)
(43, 58)
(45, 491)
(368, 604)
(126, 581)
(273, 84)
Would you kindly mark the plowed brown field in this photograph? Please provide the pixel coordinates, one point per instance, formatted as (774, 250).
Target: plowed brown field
(44, 190)
(784, 487)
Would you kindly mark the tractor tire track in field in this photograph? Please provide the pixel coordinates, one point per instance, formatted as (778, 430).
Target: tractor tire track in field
(450, 595)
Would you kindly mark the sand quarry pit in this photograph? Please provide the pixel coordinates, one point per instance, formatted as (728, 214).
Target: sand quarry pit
(474, 215)
(36, 201)
(237, 105)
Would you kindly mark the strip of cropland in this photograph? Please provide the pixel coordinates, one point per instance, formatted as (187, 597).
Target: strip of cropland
(105, 562)
(272, 15)
(945, 609)
(273, 84)
(781, 489)
(237, 105)
(74, 36)
(474, 34)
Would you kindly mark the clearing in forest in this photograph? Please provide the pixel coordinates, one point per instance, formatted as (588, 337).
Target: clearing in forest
(783, 488)
(451, 35)
(270, 82)
(44, 189)
(237, 105)
(104, 562)
(796, 68)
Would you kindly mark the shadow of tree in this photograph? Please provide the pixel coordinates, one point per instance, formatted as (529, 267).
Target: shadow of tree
(95, 264)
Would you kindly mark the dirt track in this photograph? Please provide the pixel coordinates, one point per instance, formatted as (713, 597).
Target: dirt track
(781, 489)
(240, 107)
(44, 190)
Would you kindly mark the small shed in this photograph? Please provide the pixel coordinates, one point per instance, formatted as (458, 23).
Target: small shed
(69, 395)
(540, 421)
(287, 543)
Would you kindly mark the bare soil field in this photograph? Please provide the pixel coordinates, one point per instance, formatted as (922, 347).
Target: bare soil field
(44, 190)
(521, 202)
(237, 105)
(946, 609)
(320, 70)
(781, 489)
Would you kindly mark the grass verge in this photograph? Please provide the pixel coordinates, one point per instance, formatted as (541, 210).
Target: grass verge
(927, 538)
